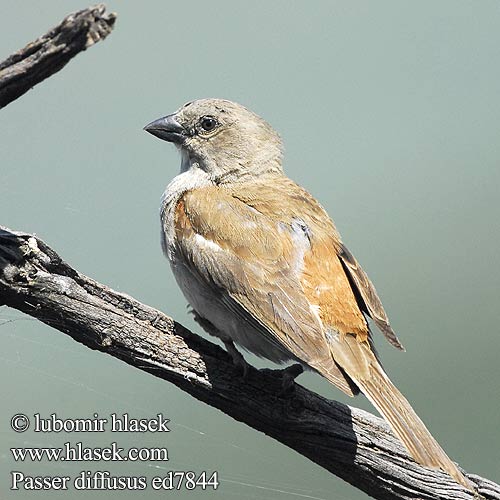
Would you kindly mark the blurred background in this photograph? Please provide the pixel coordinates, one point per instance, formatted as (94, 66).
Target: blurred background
(390, 115)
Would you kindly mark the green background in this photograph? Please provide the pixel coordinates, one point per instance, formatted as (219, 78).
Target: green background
(390, 114)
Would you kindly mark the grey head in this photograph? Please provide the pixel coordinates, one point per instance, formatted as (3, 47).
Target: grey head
(221, 137)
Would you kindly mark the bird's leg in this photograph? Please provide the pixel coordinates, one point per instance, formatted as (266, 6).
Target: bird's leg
(205, 324)
(237, 357)
(288, 376)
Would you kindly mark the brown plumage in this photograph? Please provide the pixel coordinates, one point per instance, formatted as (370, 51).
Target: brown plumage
(258, 257)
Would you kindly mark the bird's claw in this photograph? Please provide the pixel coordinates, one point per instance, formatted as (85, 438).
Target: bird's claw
(238, 360)
(288, 376)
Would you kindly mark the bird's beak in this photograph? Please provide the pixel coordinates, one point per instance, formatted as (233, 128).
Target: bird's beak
(167, 129)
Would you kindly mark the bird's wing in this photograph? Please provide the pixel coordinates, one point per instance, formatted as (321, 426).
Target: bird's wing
(290, 276)
(367, 295)
(253, 263)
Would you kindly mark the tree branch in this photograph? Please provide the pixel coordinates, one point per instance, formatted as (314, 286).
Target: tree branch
(52, 51)
(351, 443)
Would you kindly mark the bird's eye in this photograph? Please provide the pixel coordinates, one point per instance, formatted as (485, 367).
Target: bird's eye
(208, 123)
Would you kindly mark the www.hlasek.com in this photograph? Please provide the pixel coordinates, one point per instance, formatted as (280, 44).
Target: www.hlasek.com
(78, 452)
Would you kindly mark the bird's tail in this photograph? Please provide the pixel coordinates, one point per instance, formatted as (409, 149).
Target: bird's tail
(370, 377)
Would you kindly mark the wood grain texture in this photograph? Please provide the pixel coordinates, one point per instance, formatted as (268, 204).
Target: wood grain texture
(51, 52)
(351, 443)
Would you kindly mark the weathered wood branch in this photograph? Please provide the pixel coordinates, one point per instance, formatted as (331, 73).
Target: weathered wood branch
(52, 51)
(351, 443)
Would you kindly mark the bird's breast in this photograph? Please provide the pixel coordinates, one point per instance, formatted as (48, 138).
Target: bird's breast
(192, 178)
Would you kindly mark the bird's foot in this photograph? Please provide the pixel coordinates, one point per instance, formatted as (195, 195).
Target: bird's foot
(204, 323)
(288, 376)
(238, 360)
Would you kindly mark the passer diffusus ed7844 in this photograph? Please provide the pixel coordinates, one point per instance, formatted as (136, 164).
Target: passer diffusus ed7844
(262, 265)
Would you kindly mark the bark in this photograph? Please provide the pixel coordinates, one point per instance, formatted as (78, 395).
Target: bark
(52, 51)
(351, 443)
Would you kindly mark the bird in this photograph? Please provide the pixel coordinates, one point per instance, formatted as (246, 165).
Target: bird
(263, 266)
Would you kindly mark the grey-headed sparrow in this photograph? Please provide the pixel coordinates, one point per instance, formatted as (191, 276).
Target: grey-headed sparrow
(262, 265)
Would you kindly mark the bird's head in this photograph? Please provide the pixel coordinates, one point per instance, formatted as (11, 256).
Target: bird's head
(221, 137)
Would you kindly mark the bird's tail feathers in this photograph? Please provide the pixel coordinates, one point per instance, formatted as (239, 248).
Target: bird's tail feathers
(394, 407)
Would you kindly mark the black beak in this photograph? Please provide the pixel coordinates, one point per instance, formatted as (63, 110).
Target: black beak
(167, 129)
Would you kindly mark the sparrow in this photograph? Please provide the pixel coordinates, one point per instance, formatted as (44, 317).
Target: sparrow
(262, 265)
